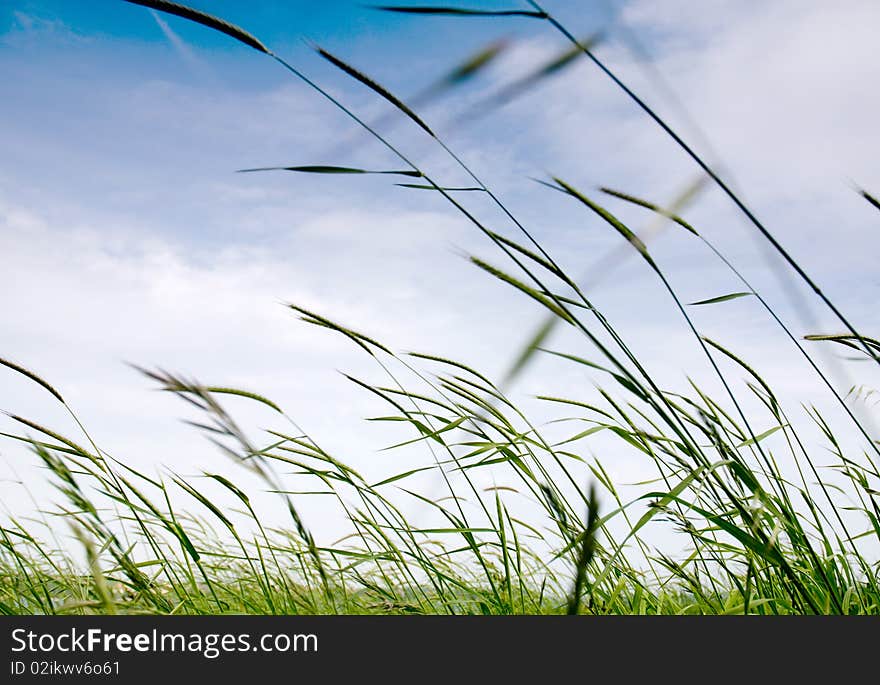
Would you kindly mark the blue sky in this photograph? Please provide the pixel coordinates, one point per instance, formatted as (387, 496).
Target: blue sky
(127, 237)
(412, 48)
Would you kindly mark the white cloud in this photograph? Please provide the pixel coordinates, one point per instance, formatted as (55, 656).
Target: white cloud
(29, 27)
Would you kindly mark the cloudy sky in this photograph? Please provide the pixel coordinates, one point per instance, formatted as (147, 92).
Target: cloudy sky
(126, 236)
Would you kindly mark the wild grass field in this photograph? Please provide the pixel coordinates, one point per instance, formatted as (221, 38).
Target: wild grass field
(772, 520)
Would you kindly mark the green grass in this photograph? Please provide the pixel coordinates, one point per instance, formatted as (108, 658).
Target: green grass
(771, 521)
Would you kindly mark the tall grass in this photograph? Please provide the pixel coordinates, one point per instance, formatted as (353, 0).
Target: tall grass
(766, 530)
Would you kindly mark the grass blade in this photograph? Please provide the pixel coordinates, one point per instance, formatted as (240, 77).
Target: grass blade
(531, 292)
(447, 189)
(34, 377)
(649, 205)
(851, 341)
(587, 549)
(460, 11)
(244, 393)
(720, 298)
(870, 198)
(473, 65)
(205, 20)
(375, 87)
(519, 86)
(325, 169)
(631, 237)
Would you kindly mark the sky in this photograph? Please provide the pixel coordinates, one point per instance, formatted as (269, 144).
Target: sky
(127, 237)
